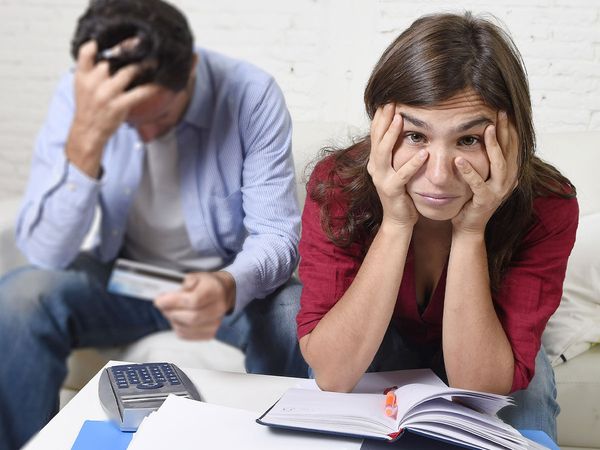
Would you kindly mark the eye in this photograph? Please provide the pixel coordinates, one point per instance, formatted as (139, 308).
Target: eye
(415, 138)
(469, 141)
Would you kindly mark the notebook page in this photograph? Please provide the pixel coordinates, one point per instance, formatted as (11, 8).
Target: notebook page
(332, 411)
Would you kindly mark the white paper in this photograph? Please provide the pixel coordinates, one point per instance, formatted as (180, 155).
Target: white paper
(183, 424)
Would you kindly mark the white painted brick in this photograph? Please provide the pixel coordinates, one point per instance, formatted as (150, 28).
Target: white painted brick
(573, 85)
(595, 120)
(575, 3)
(320, 51)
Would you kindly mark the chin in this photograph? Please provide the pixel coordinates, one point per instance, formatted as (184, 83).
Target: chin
(439, 214)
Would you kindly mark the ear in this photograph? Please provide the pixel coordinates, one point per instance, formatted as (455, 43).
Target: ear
(194, 65)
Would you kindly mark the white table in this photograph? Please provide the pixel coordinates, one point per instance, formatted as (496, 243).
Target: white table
(238, 390)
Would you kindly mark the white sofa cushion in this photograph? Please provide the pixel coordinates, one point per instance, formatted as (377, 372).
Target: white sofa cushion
(575, 325)
(578, 383)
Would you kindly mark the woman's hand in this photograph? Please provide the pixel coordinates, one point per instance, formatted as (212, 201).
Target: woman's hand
(398, 207)
(502, 146)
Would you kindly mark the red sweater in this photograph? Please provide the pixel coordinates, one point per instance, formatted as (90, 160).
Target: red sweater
(530, 291)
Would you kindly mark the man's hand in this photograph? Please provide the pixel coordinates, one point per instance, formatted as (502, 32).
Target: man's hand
(196, 311)
(502, 145)
(101, 106)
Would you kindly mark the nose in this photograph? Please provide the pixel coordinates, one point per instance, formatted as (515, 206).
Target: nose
(439, 167)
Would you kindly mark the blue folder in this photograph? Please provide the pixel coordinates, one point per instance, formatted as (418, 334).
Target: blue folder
(101, 435)
(411, 441)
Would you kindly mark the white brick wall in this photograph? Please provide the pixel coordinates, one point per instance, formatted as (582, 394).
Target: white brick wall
(320, 51)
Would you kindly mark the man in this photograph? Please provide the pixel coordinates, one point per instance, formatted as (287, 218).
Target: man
(187, 155)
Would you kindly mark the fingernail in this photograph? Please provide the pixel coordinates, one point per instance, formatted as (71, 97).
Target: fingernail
(422, 154)
(460, 162)
(112, 52)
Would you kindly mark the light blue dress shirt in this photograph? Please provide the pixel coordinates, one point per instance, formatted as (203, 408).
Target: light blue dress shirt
(238, 190)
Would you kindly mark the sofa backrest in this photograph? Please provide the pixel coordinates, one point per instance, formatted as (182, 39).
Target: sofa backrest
(577, 156)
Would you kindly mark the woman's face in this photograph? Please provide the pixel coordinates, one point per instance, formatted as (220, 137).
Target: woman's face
(446, 131)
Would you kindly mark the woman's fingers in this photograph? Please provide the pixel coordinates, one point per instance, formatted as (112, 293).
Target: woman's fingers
(509, 142)
(411, 167)
(501, 144)
(502, 134)
(473, 179)
(383, 140)
(495, 155)
(381, 122)
(502, 147)
(512, 156)
(384, 150)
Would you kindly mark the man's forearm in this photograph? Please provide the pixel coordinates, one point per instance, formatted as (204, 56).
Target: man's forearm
(85, 152)
(56, 219)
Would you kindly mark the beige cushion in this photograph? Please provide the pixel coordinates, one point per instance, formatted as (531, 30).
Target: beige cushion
(578, 383)
(575, 325)
(163, 346)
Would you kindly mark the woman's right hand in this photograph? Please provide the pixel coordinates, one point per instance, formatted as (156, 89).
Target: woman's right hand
(398, 207)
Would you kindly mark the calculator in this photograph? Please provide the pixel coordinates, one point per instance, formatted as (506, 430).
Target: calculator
(130, 392)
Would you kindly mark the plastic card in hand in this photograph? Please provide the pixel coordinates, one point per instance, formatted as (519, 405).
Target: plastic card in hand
(142, 281)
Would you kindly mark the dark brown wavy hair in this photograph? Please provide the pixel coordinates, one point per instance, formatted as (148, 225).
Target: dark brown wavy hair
(437, 57)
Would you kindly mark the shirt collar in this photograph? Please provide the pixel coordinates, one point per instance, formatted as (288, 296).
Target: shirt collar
(199, 111)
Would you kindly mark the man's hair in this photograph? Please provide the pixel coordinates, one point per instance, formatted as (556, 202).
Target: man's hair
(436, 58)
(165, 39)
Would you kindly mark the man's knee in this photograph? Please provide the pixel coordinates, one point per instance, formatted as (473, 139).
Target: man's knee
(272, 339)
(25, 293)
(281, 308)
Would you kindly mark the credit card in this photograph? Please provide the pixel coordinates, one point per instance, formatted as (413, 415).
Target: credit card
(143, 281)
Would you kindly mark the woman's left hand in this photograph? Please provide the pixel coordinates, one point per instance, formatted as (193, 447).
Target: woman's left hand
(502, 146)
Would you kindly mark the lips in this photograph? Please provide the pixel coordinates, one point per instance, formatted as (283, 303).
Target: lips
(437, 199)
(437, 196)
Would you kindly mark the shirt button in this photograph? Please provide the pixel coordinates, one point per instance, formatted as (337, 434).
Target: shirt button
(115, 232)
(138, 146)
(72, 187)
(127, 191)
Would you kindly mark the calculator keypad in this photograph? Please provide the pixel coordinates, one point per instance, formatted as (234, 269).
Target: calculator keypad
(145, 376)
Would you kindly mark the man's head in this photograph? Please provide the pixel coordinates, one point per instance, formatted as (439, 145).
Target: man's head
(164, 38)
(441, 56)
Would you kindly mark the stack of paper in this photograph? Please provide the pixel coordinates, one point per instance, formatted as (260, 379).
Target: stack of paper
(184, 424)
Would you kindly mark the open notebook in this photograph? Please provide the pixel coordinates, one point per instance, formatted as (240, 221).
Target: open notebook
(458, 416)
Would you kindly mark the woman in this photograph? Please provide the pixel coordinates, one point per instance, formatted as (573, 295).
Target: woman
(440, 240)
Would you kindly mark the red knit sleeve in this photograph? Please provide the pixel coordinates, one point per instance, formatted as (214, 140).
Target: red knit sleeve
(532, 287)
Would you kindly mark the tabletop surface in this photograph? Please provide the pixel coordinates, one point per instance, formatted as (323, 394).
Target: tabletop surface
(238, 390)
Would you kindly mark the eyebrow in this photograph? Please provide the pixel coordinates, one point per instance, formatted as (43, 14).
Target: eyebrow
(482, 120)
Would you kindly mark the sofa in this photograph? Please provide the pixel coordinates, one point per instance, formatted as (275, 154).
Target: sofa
(577, 154)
